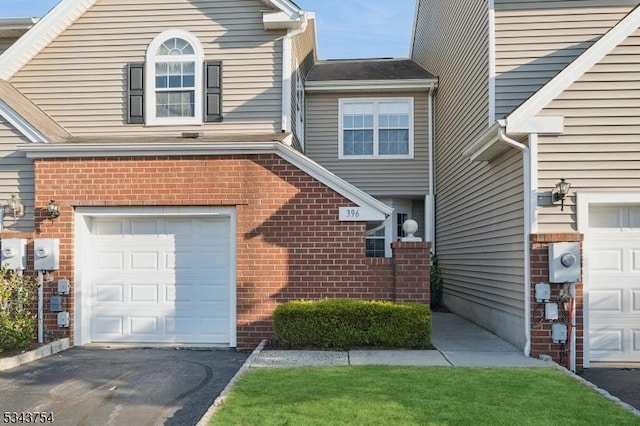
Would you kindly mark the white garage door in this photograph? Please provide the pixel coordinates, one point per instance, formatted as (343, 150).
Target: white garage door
(160, 280)
(613, 249)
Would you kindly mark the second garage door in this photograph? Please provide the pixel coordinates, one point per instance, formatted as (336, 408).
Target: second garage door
(160, 280)
(613, 249)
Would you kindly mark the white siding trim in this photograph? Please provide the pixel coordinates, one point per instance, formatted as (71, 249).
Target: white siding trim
(584, 201)
(576, 69)
(83, 216)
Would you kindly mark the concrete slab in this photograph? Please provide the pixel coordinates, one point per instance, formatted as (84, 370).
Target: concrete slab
(468, 343)
(492, 359)
(285, 358)
(397, 357)
(34, 355)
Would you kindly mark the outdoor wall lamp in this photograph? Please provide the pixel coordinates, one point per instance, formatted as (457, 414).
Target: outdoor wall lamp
(53, 209)
(16, 206)
(559, 193)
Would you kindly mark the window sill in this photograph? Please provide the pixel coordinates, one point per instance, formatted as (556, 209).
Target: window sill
(379, 261)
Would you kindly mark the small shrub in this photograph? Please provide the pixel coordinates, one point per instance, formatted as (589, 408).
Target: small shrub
(436, 283)
(17, 323)
(344, 323)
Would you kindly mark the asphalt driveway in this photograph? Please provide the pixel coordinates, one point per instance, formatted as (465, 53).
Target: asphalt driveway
(91, 386)
(623, 383)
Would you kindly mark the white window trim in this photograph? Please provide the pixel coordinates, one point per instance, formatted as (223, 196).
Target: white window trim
(150, 80)
(376, 102)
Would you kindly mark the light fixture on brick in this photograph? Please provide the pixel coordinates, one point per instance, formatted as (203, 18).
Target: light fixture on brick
(53, 209)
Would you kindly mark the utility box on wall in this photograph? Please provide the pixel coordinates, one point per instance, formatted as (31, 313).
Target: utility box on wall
(564, 262)
(46, 254)
(14, 253)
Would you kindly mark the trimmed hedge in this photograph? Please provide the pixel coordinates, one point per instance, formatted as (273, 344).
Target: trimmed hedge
(346, 323)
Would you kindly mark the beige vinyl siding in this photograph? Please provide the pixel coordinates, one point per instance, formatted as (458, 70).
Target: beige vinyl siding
(536, 40)
(378, 177)
(303, 48)
(479, 206)
(16, 177)
(600, 147)
(5, 42)
(79, 79)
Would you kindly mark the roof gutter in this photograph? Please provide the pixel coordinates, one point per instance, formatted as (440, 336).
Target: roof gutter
(356, 85)
(287, 71)
(528, 223)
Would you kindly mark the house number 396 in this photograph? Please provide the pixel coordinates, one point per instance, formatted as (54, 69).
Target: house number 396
(351, 213)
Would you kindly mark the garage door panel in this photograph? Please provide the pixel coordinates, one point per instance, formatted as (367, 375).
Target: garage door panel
(106, 293)
(162, 280)
(612, 246)
(605, 301)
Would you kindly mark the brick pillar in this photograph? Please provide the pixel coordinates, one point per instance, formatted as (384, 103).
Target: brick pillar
(541, 343)
(411, 268)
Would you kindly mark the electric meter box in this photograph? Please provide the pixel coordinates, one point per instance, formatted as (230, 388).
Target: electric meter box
(14, 253)
(46, 254)
(564, 262)
(559, 333)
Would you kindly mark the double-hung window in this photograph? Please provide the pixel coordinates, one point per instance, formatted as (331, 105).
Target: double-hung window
(376, 128)
(174, 72)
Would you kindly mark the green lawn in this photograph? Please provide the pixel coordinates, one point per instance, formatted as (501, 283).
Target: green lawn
(375, 395)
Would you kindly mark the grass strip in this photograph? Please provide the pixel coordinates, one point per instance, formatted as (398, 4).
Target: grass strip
(382, 395)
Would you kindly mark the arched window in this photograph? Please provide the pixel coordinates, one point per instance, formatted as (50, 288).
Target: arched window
(174, 78)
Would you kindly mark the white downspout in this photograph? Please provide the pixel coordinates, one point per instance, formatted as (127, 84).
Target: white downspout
(430, 205)
(40, 307)
(526, 154)
(287, 72)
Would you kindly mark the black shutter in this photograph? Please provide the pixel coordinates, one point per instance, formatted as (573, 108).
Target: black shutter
(213, 91)
(135, 93)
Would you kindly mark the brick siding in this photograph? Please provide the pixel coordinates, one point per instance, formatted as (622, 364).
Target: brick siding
(541, 342)
(289, 242)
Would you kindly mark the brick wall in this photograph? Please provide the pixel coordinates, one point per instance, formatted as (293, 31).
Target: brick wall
(541, 342)
(289, 242)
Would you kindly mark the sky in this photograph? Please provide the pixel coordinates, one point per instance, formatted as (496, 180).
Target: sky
(345, 28)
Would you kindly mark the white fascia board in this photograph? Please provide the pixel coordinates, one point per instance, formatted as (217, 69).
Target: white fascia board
(304, 163)
(576, 69)
(542, 125)
(279, 21)
(483, 143)
(289, 8)
(41, 34)
(368, 85)
(17, 23)
(20, 124)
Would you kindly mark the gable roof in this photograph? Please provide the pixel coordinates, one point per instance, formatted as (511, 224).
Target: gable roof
(62, 16)
(27, 118)
(583, 63)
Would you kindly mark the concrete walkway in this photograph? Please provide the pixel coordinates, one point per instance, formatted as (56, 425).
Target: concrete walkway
(458, 342)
